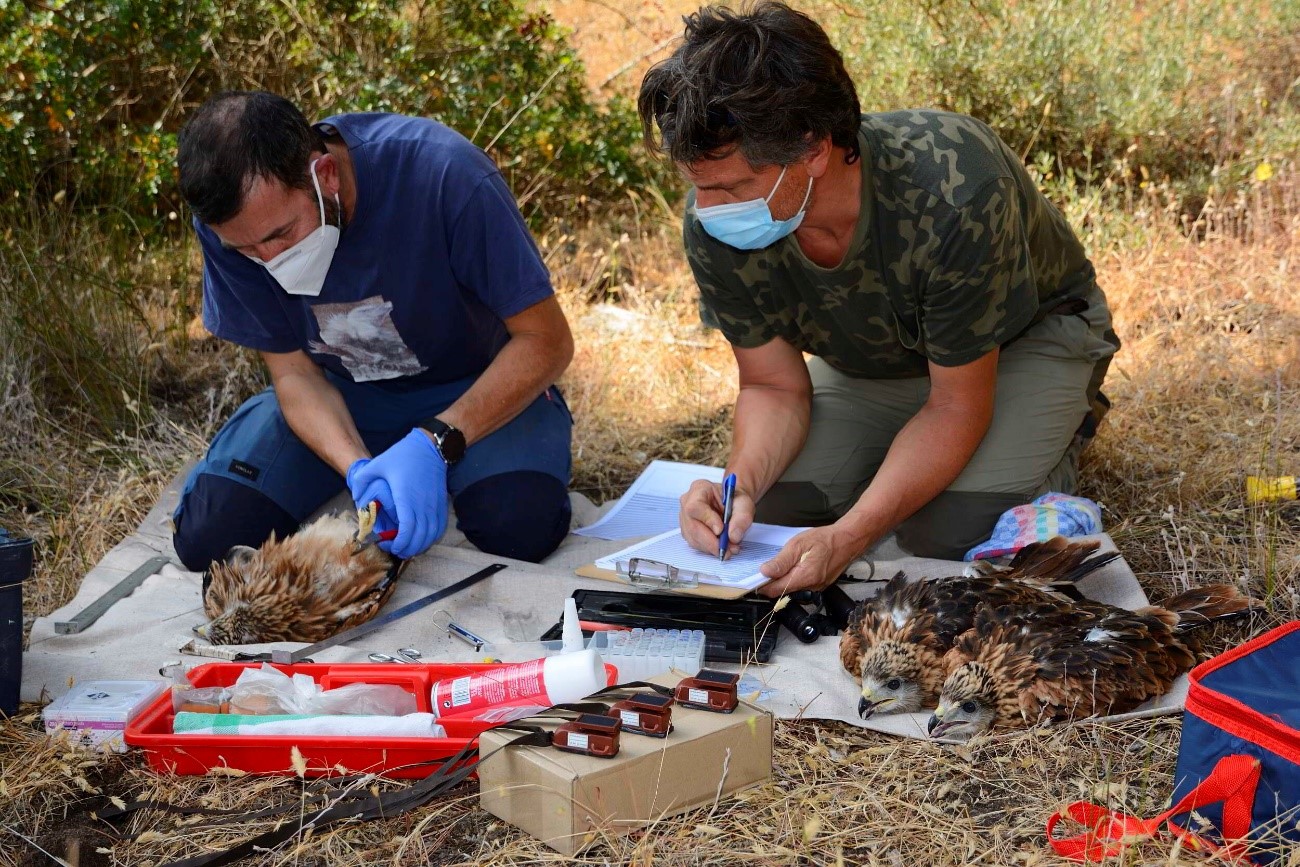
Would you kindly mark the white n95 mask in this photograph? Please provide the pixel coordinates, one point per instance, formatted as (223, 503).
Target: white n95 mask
(749, 225)
(301, 269)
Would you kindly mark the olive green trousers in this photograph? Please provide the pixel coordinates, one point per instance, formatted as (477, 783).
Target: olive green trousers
(1045, 411)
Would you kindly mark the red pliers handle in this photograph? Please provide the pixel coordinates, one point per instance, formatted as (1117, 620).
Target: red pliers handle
(377, 536)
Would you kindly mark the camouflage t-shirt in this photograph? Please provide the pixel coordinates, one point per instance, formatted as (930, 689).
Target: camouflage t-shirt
(955, 253)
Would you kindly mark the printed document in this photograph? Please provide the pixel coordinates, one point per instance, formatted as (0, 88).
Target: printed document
(651, 505)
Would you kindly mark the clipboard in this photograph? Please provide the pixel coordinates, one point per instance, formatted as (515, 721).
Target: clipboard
(649, 582)
(666, 562)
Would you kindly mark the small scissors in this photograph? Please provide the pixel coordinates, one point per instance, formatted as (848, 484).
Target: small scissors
(404, 654)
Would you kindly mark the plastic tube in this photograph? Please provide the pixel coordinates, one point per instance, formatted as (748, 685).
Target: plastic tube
(513, 692)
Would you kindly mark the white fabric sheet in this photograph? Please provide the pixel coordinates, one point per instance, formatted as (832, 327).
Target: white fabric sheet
(144, 631)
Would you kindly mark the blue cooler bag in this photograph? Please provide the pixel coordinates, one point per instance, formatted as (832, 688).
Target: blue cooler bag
(1238, 763)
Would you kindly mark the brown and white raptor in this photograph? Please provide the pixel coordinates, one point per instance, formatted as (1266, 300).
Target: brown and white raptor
(895, 642)
(1018, 666)
(305, 587)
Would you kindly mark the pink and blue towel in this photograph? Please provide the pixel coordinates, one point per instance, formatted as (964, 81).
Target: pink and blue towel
(1049, 515)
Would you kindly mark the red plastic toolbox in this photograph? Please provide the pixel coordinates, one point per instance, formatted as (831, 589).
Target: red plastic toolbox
(272, 754)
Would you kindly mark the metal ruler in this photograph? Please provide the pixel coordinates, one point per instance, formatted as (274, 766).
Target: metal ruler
(121, 590)
(285, 657)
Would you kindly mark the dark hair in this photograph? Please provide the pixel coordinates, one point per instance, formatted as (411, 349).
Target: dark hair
(236, 137)
(765, 80)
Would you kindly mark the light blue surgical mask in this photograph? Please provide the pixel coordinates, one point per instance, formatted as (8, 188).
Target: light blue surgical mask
(749, 225)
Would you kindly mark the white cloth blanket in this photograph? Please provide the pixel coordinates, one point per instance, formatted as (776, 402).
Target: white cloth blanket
(144, 631)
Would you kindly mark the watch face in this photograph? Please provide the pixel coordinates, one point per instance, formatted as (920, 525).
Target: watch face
(451, 442)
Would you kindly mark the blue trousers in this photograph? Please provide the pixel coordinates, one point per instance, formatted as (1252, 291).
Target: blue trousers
(510, 492)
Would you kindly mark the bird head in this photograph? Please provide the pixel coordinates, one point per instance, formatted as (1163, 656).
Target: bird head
(236, 625)
(239, 556)
(891, 680)
(967, 704)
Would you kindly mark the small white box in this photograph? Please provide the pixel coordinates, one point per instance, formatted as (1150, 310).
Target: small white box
(96, 713)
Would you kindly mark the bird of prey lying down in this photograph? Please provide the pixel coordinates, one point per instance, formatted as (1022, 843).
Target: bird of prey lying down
(1066, 660)
(305, 587)
(895, 642)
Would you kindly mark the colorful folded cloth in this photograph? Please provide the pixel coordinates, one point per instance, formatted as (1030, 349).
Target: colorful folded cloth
(411, 725)
(1049, 515)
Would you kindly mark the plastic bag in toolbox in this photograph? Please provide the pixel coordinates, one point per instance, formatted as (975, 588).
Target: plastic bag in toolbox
(267, 690)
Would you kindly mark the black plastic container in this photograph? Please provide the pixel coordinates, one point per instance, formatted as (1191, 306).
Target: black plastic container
(15, 566)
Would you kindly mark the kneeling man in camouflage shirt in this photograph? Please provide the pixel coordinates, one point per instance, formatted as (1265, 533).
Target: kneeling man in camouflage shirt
(956, 335)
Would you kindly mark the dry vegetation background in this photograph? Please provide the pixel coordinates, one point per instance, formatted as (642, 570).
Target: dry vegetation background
(1203, 281)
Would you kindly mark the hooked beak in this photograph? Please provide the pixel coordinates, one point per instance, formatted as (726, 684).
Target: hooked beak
(867, 707)
(936, 726)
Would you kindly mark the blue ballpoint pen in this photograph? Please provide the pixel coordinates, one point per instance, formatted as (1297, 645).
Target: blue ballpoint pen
(728, 494)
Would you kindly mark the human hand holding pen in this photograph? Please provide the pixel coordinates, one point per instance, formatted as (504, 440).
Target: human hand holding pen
(701, 517)
(728, 500)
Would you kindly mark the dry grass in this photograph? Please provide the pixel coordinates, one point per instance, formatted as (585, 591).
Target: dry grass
(647, 379)
(96, 491)
(619, 41)
(1206, 390)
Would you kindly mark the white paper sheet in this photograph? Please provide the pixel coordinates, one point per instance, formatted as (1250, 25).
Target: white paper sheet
(650, 505)
(762, 542)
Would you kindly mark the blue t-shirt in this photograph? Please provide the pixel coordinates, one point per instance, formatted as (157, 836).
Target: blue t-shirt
(433, 258)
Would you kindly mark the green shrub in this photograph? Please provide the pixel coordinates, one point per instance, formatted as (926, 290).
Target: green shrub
(94, 94)
(1122, 93)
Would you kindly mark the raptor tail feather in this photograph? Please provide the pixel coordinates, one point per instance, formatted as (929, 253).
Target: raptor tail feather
(1200, 606)
(1058, 563)
(1168, 617)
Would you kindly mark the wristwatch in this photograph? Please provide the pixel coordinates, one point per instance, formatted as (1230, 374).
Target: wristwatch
(449, 440)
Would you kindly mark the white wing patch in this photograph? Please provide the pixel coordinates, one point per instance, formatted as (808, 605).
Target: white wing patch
(900, 615)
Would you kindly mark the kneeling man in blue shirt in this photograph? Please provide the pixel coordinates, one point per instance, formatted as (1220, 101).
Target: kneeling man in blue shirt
(381, 267)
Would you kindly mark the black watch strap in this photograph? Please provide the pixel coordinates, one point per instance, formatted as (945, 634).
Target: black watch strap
(449, 440)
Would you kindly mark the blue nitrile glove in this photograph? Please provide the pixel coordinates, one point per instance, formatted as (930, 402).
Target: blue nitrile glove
(380, 492)
(352, 471)
(410, 482)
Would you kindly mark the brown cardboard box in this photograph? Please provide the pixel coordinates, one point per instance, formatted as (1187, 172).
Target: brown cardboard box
(571, 801)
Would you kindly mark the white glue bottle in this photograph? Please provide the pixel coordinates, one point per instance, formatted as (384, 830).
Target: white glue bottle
(512, 692)
(571, 634)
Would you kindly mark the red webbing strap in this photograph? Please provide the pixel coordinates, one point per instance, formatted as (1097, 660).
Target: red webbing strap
(1232, 782)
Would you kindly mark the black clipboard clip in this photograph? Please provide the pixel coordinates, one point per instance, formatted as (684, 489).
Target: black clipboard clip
(655, 574)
